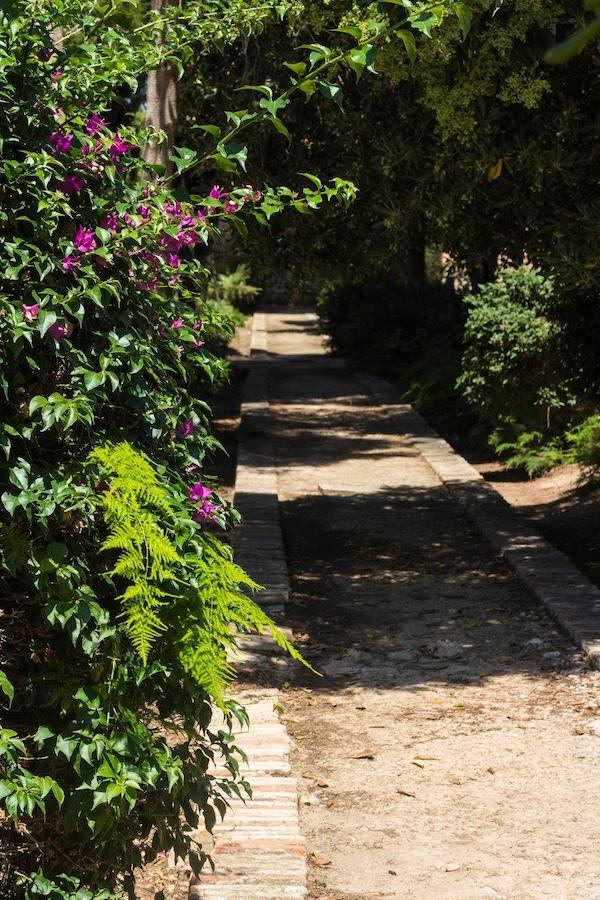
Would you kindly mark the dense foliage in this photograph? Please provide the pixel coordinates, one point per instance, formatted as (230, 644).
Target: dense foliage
(511, 367)
(120, 598)
(470, 144)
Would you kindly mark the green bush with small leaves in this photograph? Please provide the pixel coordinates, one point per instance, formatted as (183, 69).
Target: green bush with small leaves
(511, 366)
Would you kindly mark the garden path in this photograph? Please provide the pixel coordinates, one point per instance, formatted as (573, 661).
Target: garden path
(452, 747)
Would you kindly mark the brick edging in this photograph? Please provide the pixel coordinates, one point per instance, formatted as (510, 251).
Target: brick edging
(567, 593)
(259, 851)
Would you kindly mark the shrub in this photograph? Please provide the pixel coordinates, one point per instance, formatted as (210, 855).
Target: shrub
(528, 451)
(512, 369)
(385, 324)
(584, 445)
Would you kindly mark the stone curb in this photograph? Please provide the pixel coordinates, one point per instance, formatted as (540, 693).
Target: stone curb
(568, 595)
(259, 852)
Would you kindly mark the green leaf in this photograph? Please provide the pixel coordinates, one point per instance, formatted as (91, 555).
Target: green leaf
(36, 402)
(273, 106)
(93, 380)
(183, 158)
(331, 91)
(42, 734)
(298, 68)
(45, 321)
(352, 30)
(280, 127)
(425, 21)
(465, 18)
(410, 45)
(6, 687)
(19, 477)
(261, 88)
(307, 87)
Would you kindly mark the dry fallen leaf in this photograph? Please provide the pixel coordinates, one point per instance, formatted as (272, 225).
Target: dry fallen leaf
(417, 762)
(364, 754)
(319, 861)
(406, 793)
(322, 784)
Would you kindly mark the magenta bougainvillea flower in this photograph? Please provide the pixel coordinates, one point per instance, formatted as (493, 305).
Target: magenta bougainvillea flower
(177, 323)
(57, 75)
(71, 184)
(205, 512)
(70, 262)
(45, 54)
(30, 313)
(198, 326)
(199, 491)
(170, 242)
(118, 147)
(198, 343)
(84, 240)
(144, 212)
(231, 208)
(186, 428)
(61, 143)
(216, 193)
(95, 124)
(173, 209)
(110, 222)
(58, 331)
(173, 260)
(187, 222)
(187, 238)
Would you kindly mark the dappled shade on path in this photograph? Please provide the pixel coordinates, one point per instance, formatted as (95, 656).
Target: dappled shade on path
(449, 750)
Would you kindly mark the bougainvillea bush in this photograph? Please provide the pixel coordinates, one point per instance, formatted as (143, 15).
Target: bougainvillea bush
(118, 595)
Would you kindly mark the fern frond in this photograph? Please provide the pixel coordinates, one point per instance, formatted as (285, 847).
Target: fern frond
(207, 662)
(175, 576)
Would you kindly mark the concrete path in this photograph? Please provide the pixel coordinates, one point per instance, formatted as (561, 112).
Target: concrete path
(452, 747)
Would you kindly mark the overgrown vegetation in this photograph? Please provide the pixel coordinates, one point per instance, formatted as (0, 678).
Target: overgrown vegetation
(470, 144)
(120, 603)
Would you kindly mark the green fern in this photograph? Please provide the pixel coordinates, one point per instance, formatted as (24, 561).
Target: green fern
(132, 506)
(196, 598)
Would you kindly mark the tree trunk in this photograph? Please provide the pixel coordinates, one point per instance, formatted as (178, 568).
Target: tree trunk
(161, 106)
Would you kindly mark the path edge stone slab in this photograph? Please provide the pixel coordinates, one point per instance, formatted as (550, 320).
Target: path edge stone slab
(568, 595)
(259, 849)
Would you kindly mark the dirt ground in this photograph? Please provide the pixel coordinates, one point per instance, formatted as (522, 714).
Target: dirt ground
(452, 747)
(565, 509)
